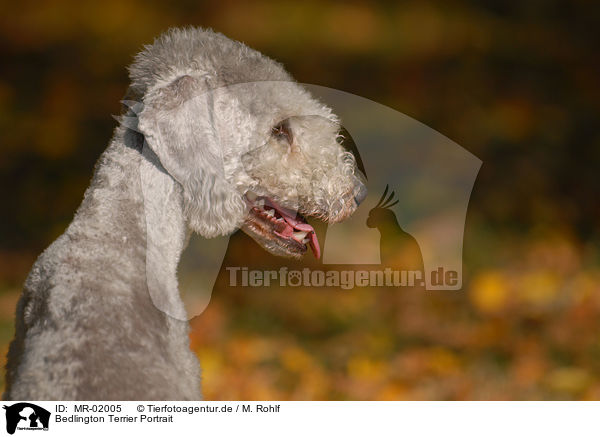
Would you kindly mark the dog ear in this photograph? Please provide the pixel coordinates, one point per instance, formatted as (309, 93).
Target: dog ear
(178, 123)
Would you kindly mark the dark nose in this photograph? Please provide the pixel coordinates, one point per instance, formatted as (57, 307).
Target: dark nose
(360, 193)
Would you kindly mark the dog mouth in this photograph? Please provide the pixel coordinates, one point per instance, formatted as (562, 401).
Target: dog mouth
(280, 230)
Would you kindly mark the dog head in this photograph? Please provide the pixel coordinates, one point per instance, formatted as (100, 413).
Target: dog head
(251, 148)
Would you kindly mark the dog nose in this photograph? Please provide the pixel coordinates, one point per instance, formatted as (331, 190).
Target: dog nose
(361, 193)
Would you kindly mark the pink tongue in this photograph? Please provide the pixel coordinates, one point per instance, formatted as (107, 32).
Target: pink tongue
(314, 245)
(290, 217)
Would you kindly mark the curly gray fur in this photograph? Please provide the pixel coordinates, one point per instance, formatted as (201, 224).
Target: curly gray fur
(100, 316)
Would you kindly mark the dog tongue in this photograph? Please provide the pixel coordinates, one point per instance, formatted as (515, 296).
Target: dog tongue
(314, 244)
(290, 217)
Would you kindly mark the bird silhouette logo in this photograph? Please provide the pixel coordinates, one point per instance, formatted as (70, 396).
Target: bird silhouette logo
(398, 249)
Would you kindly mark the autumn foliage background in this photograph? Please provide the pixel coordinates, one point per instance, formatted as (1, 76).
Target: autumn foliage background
(515, 83)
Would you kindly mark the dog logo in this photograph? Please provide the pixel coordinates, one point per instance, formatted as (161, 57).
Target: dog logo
(26, 416)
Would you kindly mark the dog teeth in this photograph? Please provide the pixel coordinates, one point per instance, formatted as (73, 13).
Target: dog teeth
(271, 212)
(251, 196)
(299, 236)
(260, 203)
(306, 240)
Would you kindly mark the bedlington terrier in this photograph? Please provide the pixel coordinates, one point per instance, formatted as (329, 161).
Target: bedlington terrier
(223, 139)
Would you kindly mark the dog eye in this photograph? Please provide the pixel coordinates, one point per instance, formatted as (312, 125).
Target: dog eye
(282, 131)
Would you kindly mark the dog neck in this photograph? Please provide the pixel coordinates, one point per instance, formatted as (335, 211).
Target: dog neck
(135, 208)
(114, 268)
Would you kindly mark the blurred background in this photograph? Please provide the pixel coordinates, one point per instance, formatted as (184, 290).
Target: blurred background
(515, 83)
